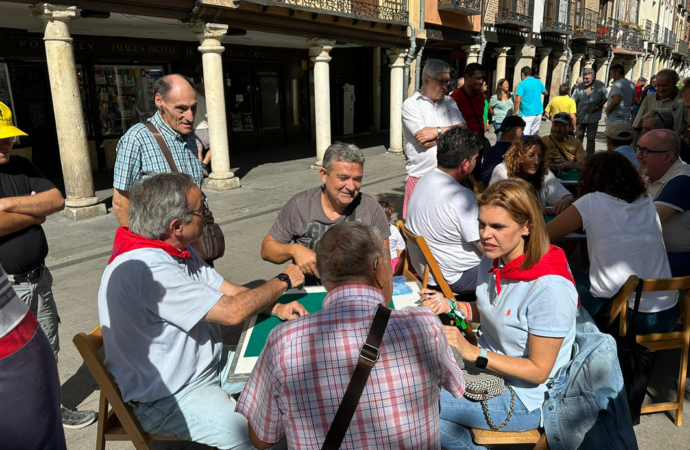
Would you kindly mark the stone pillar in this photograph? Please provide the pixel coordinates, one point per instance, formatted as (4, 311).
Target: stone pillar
(318, 52)
(557, 75)
(589, 63)
(577, 62)
(396, 57)
(210, 36)
(81, 202)
(544, 68)
(649, 65)
(501, 62)
(472, 53)
(603, 70)
(523, 57)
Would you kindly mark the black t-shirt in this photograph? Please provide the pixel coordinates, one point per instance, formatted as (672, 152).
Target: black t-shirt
(26, 249)
(492, 158)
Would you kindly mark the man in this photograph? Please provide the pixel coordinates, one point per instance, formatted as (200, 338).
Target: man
(564, 152)
(203, 142)
(562, 103)
(663, 119)
(667, 96)
(138, 154)
(639, 86)
(590, 97)
(649, 88)
(305, 217)
(619, 137)
(26, 199)
(427, 114)
(528, 101)
(511, 129)
(302, 374)
(668, 183)
(621, 96)
(445, 213)
(470, 98)
(160, 307)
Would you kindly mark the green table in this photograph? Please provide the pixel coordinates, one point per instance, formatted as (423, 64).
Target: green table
(571, 177)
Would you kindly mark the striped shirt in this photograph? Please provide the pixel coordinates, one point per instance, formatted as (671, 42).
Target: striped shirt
(306, 366)
(139, 156)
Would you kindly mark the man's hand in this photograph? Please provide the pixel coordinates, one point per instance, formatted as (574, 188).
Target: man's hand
(305, 259)
(562, 204)
(426, 135)
(289, 311)
(565, 167)
(295, 274)
(592, 110)
(39, 220)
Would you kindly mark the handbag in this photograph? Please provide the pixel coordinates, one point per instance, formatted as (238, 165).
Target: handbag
(211, 244)
(368, 356)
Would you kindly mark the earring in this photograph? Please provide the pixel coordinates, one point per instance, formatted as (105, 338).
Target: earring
(525, 235)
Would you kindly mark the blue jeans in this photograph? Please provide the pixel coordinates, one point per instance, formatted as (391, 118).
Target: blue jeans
(460, 414)
(496, 127)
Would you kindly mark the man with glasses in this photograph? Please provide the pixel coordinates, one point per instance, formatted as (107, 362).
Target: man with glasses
(667, 96)
(668, 183)
(528, 101)
(662, 119)
(427, 114)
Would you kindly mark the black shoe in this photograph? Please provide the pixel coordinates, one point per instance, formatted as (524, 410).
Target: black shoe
(71, 418)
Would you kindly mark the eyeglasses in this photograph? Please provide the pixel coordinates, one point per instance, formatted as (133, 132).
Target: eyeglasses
(644, 151)
(443, 82)
(201, 211)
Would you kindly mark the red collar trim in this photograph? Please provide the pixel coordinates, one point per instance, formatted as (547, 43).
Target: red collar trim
(126, 241)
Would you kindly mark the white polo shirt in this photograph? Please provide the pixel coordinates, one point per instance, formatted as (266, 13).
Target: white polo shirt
(420, 112)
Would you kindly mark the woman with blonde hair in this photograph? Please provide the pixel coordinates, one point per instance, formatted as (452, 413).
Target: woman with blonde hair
(527, 304)
(526, 159)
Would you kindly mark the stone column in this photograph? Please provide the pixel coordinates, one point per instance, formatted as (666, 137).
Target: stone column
(523, 57)
(557, 75)
(544, 68)
(210, 36)
(649, 65)
(397, 58)
(577, 61)
(81, 202)
(603, 70)
(501, 62)
(472, 53)
(629, 66)
(318, 52)
(589, 63)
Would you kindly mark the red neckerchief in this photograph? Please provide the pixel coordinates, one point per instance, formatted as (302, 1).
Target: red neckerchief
(126, 241)
(552, 263)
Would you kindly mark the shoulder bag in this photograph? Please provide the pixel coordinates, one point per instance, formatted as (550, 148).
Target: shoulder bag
(211, 244)
(368, 356)
(479, 120)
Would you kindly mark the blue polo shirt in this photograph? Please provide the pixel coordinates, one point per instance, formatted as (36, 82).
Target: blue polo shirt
(530, 89)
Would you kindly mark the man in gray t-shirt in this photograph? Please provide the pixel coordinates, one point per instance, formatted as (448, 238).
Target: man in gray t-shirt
(621, 96)
(306, 216)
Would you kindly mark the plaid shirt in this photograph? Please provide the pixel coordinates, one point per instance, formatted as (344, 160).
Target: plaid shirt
(301, 376)
(139, 156)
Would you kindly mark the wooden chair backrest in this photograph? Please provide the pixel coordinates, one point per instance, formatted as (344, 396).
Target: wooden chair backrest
(477, 186)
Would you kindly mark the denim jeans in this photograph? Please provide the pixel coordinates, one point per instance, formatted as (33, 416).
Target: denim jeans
(498, 134)
(591, 129)
(460, 414)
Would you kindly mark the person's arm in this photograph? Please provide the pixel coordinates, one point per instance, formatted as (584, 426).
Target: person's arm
(121, 206)
(547, 110)
(673, 198)
(278, 253)
(613, 103)
(256, 442)
(439, 305)
(516, 107)
(665, 212)
(13, 222)
(573, 116)
(563, 224)
(41, 204)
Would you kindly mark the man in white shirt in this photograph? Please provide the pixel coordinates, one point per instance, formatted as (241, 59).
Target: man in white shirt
(445, 212)
(427, 114)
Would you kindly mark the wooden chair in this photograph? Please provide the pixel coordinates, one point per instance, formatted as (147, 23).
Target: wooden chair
(487, 437)
(660, 341)
(118, 424)
(477, 186)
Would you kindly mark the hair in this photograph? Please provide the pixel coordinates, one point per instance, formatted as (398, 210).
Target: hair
(515, 154)
(519, 199)
(662, 118)
(156, 201)
(589, 72)
(499, 90)
(342, 152)
(164, 84)
(641, 80)
(472, 68)
(652, 79)
(433, 67)
(564, 89)
(388, 209)
(526, 71)
(613, 174)
(347, 251)
(668, 73)
(457, 145)
(618, 69)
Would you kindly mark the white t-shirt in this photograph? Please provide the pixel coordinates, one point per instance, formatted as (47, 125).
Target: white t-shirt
(551, 189)
(445, 213)
(420, 112)
(395, 241)
(625, 240)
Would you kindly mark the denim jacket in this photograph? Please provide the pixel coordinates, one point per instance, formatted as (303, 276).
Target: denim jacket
(586, 406)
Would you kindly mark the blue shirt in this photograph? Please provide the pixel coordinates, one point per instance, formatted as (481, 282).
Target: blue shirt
(139, 156)
(492, 158)
(628, 152)
(675, 193)
(530, 89)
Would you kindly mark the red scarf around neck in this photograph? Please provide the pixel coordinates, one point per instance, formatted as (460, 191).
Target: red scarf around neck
(126, 241)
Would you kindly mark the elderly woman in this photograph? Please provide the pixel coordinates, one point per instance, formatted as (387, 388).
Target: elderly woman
(526, 159)
(526, 303)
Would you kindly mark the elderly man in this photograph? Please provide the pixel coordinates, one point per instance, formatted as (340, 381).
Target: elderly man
(621, 96)
(305, 217)
(590, 97)
(563, 152)
(427, 114)
(138, 153)
(445, 213)
(160, 307)
(619, 137)
(290, 394)
(668, 183)
(528, 100)
(667, 96)
(511, 129)
(662, 119)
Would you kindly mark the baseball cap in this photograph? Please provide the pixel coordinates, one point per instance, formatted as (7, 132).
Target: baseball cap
(620, 130)
(563, 117)
(7, 129)
(510, 122)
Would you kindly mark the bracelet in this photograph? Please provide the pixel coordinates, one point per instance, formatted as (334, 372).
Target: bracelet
(452, 304)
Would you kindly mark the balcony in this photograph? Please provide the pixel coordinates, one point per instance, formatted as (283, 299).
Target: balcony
(657, 35)
(585, 24)
(630, 38)
(464, 7)
(515, 13)
(557, 17)
(386, 11)
(607, 32)
(648, 30)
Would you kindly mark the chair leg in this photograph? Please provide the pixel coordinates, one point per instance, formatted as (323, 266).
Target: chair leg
(102, 419)
(542, 443)
(681, 385)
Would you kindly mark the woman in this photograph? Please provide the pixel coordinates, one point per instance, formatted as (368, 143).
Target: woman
(526, 303)
(626, 240)
(526, 159)
(501, 105)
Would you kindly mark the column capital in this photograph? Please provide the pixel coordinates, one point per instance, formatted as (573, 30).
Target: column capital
(397, 57)
(472, 49)
(526, 51)
(502, 51)
(545, 51)
(48, 11)
(578, 57)
(210, 36)
(319, 49)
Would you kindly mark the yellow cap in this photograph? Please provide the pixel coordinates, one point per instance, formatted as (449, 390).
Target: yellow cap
(7, 129)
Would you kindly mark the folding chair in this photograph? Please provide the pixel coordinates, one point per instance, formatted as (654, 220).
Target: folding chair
(477, 186)
(660, 341)
(487, 437)
(118, 424)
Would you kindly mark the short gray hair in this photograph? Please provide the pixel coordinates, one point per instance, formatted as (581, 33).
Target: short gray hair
(433, 67)
(156, 201)
(668, 73)
(347, 251)
(662, 118)
(589, 72)
(339, 151)
(164, 85)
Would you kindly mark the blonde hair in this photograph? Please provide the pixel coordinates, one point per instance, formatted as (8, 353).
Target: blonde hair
(517, 152)
(520, 200)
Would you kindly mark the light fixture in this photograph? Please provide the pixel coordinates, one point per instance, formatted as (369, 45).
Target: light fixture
(90, 14)
(236, 32)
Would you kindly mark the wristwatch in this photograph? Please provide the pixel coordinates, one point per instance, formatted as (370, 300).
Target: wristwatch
(482, 359)
(439, 130)
(286, 278)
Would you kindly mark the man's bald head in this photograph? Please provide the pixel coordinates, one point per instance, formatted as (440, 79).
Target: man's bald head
(173, 82)
(661, 140)
(662, 148)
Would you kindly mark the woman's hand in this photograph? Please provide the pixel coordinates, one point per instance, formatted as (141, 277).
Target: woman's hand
(562, 204)
(457, 340)
(434, 301)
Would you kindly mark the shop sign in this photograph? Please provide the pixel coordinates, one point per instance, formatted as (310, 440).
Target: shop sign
(88, 46)
(24, 44)
(253, 54)
(145, 49)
